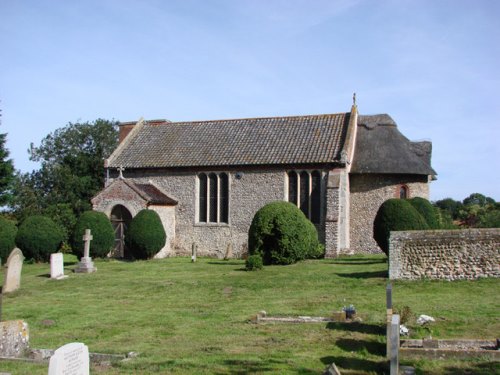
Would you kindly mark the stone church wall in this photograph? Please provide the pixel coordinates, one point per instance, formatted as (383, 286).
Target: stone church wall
(368, 192)
(249, 193)
(444, 254)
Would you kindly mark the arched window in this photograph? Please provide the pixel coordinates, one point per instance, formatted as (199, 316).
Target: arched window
(304, 190)
(403, 192)
(213, 198)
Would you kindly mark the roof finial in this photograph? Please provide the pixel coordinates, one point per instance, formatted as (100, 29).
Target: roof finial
(354, 99)
(120, 170)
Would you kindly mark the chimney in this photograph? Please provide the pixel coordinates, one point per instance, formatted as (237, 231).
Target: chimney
(126, 127)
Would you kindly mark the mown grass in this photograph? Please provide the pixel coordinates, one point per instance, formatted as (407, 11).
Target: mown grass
(185, 318)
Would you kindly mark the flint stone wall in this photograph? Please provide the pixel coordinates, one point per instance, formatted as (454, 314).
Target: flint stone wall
(368, 192)
(444, 254)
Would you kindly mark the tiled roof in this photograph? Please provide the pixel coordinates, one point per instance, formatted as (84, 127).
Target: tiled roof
(153, 195)
(257, 141)
(381, 148)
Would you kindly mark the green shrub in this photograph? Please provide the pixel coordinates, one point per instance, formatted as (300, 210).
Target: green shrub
(426, 209)
(282, 234)
(38, 237)
(394, 215)
(254, 262)
(145, 235)
(8, 231)
(103, 236)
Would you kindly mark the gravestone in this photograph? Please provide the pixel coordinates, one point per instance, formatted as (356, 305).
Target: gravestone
(70, 359)
(13, 267)
(57, 266)
(14, 338)
(194, 250)
(229, 251)
(394, 353)
(86, 265)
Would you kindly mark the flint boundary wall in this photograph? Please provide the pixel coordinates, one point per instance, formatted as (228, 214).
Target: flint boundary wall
(444, 254)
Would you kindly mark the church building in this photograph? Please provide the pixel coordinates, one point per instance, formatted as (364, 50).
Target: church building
(207, 179)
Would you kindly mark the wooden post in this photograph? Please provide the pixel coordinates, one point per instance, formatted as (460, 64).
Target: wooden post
(388, 297)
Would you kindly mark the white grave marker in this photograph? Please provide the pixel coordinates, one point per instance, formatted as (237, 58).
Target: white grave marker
(70, 359)
(86, 265)
(57, 266)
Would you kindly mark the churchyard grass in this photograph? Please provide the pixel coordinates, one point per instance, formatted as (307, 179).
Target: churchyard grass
(194, 318)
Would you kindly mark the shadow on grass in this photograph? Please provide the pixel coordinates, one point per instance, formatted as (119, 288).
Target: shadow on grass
(46, 275)
(369, 329)
(225, 263)
(66, 264)
(246, 366)
(358, 261)
(356, 364)
(364, 275)
(482, 368)
(351, 345)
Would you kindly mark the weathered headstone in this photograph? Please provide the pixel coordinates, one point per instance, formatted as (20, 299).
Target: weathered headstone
(13, 267)
(70, 359)
(194, 250)
(14, 338)
(57, 266)
(394, 353)
(86, 265)
(229, 251)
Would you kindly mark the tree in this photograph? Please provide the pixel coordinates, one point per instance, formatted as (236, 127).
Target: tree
(71, 171)
(102, 233)
(281, 234)
(6, 171)
(395, 215)
(38, 237)
(145, 235)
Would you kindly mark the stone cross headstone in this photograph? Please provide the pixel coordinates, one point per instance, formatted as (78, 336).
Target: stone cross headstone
(13, 267)
(394, 356)
(70, 359)
(86, 265)
(194, 249)
(57, 266)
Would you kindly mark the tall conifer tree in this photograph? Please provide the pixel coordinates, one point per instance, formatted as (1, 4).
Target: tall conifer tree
(6, 170)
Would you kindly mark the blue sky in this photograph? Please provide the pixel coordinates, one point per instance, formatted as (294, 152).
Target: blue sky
(433, 65)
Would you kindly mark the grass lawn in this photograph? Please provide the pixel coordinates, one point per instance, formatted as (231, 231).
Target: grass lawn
(186, 318)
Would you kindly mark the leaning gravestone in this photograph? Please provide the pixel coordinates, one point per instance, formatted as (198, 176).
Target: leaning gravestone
(70, 359)
(57, 266)
(13, 267)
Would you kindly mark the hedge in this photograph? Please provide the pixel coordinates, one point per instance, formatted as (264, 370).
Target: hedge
(281, 234)
(103, 236)
(38, 237)
(145, 235)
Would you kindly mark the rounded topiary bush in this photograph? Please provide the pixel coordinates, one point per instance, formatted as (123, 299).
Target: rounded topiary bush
(8, 231)
(254, 263)
(38, 237)
(427, 210)
(281, 234)
(394, 215)
(103, 236)
(145, 235)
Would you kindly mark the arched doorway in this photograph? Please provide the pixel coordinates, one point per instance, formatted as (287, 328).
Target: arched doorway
(120, 219)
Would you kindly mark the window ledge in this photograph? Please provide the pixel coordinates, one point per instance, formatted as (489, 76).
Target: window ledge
(223, 225)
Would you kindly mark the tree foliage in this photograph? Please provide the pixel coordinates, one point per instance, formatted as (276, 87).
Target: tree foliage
(103, 237)
(8, 231)
(395, 215)
(6, 171)
(71, 172)
(425, 208)
(475, 211)
(145, 235)
(281, 234)
(38, 237)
